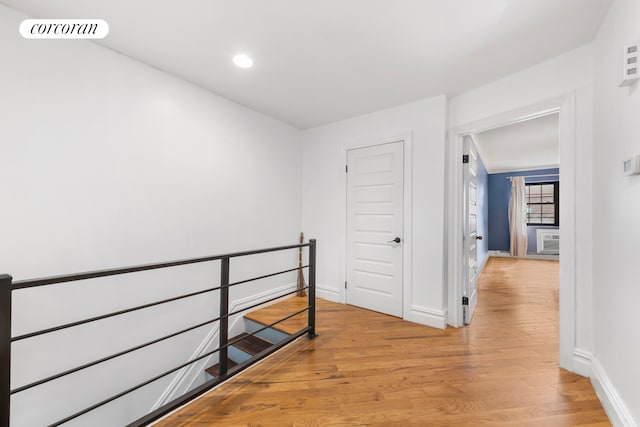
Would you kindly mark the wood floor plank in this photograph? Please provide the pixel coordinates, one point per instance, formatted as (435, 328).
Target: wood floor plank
(366, 368)
(273, 313)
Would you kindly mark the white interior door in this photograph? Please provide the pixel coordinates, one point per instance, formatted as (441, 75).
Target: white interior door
(470, 291)
(375, 227)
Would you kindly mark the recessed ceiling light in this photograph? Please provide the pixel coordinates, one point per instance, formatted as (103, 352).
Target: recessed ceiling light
(243, 61)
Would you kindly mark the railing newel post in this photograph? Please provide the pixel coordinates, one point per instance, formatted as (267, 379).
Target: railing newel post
(223, 360)
(312, 288)
(5, 349)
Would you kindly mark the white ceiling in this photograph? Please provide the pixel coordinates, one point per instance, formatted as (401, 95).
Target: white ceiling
(319, 61)
(529, 145)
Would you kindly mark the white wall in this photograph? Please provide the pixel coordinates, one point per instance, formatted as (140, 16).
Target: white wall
(570, 72)
(616, 211)
(107, 162)
(543, 81)
(324, 198)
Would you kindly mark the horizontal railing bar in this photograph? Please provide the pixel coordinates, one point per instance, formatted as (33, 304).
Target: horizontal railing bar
(267, 275)
(113, 356)
(140, 307)
(106, 316)
(157, 377)
(266, 301)
(242, 366)
(22, 284)
(268, 326)
(187, 397)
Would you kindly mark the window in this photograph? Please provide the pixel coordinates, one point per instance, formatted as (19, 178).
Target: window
(543, 203)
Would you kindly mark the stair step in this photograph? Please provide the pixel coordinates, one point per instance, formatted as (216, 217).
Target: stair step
(251, 344)
(269, 334)
(275, 312)
(214, 370)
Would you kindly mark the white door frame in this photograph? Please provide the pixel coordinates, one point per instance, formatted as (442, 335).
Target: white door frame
(565, 106)
(407, 252)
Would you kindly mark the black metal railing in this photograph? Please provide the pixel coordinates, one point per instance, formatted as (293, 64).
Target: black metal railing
(7, 287)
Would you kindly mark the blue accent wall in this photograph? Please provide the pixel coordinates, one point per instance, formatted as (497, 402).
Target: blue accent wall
(482, 205)
(499, 195)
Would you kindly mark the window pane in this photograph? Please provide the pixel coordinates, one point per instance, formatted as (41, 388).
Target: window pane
(548, 209)
(541, 203)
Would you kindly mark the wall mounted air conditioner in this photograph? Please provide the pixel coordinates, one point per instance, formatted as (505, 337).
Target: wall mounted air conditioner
(548, 241)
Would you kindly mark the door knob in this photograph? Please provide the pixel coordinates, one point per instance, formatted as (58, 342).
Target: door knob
(478, 237)
(396, 240)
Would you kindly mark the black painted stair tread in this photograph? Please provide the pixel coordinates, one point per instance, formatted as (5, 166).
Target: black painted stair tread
(251, 344)
(248, 343)
(213, 370)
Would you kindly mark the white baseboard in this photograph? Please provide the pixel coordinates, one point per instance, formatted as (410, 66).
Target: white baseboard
(187, 376)
(613, 404)
(327, 292)
(423, 315)
(582, 362)
(428, 316)
(503, 254)
(483, 264)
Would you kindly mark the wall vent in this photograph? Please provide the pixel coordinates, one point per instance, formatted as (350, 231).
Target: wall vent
(630, 63)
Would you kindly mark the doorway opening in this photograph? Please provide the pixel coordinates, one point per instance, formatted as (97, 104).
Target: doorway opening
(458, 271)
(511, 197)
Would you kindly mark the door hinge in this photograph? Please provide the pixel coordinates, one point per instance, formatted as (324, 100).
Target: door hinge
(345, 284)
(465, 158)
(465, 301)
(346, 168)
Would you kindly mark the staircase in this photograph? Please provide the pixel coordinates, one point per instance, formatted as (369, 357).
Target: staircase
(248, 345)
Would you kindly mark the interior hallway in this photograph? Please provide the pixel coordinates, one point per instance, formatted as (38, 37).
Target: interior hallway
(367, 368)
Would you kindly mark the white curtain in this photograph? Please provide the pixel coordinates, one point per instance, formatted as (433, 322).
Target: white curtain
(518, 217)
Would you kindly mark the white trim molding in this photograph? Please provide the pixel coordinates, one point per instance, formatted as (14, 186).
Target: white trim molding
(406, 138)
(582, 362)
(428, 316)
(614, 406)
(483, 263)
(504, 254)
(328, 292)
(565, 106)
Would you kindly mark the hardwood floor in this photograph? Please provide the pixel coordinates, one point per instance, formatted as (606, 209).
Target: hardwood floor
(275, 312)
(367, 368)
